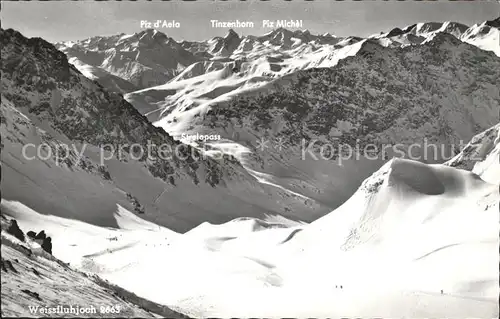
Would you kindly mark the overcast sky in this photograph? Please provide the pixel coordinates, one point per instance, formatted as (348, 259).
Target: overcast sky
(68, 20)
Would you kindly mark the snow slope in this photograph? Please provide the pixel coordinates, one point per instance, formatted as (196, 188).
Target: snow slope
(485, 36)
(33, 279)
(410, 231)
(111, 82)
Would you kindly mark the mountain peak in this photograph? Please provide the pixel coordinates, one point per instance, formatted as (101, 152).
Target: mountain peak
(151, 33)
(148, 31)
(282, 30)
(443, 37)
(395, 32)
(409, 28)
(276, 31)
(60, 67)
(231, 34)
(153, 37)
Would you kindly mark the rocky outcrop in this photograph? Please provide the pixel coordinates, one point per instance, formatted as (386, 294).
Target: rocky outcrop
(15, 231)
(494, 23)
(41, 235)
(7, 266)
(47, 245)
(481, 155)
(138, 208)
(31, 234)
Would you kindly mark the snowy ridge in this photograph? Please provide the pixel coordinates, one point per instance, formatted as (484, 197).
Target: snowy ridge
(485, 36)
(151, 58)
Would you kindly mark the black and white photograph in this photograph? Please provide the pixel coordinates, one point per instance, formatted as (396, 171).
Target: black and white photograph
(250, 159)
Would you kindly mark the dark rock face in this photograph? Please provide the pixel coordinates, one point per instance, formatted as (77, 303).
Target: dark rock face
(47, 245)
(41, 235)
(33, 294)
(42, 238)
(409, 28)
(7, 266)
(138, 208)
(494, 23)
(15, 231)
(395, 32)
(31, 234)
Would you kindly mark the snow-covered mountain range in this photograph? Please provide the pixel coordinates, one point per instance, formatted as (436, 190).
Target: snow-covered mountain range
(239, 86)
(140, 60)
(97, 146)
(339, 176)
(149, 58)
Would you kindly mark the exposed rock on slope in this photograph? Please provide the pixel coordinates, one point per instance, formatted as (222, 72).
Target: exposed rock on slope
(225, 46)
(15, 231)
(494, 23)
